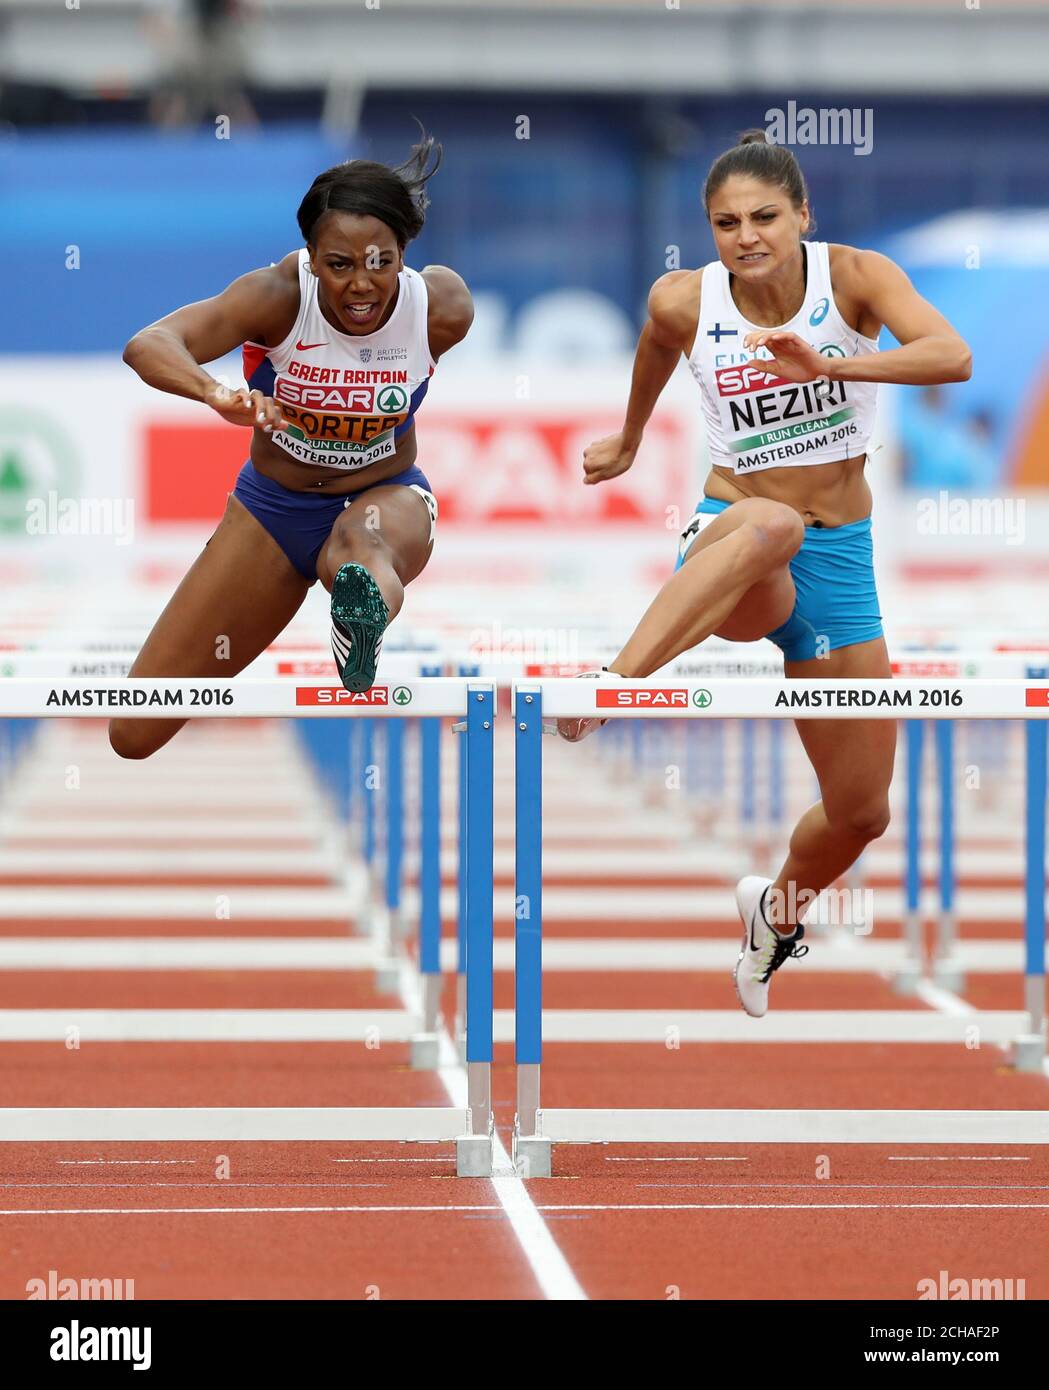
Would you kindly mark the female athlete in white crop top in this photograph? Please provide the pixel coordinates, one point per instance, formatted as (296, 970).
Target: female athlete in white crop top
(782, 337)
(339, 340)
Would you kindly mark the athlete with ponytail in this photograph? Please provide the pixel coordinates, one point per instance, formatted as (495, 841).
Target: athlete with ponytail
(781, 335)
(340, 339)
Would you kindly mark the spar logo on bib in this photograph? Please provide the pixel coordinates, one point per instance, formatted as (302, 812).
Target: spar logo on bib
(391, 400)
(643, 698)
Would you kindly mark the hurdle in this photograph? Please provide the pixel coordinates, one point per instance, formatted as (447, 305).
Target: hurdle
(340, 752)
(537, 1130)
(472, 705)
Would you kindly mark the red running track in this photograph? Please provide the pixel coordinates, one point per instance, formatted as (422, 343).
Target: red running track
(345, 1221)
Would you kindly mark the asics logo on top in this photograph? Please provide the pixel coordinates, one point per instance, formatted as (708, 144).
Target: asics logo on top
(300, 346)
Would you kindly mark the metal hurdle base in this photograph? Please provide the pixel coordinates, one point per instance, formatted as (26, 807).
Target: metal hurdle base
(532, 1151)
(387, 977)
(907, 980)
(473, 1156)
(949, 975)
(1028, 1052)
(533, 1156)
(425, 1052)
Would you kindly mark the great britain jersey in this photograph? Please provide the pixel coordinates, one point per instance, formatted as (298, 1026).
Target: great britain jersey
(757, 420)
(347, 397)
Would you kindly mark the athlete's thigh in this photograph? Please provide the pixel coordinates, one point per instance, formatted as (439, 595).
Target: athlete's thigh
(238, 595)
(393, 517)
(767, 604)
(852, 758)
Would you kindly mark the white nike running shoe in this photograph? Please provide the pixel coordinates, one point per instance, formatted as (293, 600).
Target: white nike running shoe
(763, 950)
(574, 730)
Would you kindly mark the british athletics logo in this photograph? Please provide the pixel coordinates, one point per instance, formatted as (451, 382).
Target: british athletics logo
(339, 695)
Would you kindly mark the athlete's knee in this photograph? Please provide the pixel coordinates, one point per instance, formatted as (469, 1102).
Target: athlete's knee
(354, 543)
(132, 738)
(866, 819)
(774, 531)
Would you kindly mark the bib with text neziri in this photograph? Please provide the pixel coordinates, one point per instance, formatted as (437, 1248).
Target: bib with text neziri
(347, 397)
(757, 420)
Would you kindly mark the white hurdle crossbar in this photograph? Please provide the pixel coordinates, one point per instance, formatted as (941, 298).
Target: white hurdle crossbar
(471, 703)
(536, 1129)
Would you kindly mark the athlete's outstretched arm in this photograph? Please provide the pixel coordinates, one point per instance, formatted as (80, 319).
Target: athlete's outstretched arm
(932, 352)
(673, 310)
(167, 354)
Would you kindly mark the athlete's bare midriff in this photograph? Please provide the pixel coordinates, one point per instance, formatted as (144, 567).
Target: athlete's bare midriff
(823, 494)
(271, 460)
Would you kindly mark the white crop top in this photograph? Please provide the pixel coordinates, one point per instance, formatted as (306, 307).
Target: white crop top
(756, 420)
(347, 397)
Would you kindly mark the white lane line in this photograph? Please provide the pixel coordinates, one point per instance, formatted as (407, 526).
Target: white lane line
(289, 1186)
(118, 1162)
(549, 1266)
(697, 1159)
(800, 1206)
(393, 1160)
(230, 1211)
(546, 1206)
(809, 1186)
(956, 1158)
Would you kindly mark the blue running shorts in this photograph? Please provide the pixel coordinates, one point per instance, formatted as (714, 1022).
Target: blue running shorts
(837, 602)
(300, 522)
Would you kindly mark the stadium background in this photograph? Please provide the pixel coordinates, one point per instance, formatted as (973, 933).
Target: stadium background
(152, 150)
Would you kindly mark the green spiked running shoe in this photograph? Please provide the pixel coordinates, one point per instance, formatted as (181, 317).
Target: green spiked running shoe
(358, 620)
